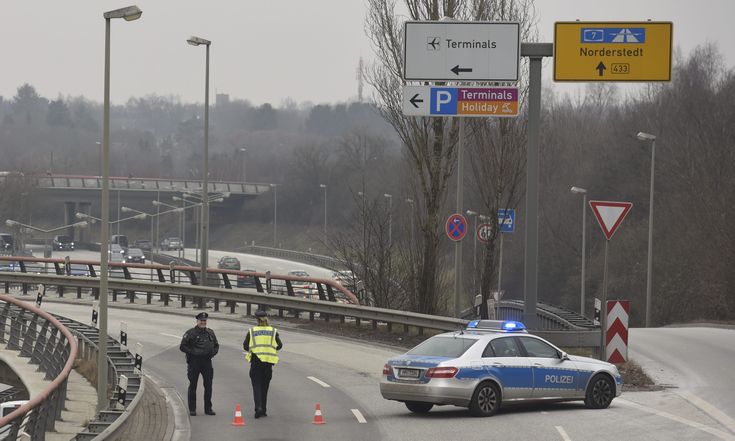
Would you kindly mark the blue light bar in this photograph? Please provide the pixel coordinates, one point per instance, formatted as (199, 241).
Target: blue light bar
(473, 324)
(513, 326)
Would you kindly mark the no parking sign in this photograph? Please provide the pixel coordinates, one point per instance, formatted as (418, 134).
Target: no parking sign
(456, 227)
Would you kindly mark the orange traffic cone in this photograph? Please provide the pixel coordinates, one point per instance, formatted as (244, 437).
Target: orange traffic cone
(318, 419)
(238, 421)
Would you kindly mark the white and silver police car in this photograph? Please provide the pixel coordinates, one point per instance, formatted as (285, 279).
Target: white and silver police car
(494, 362)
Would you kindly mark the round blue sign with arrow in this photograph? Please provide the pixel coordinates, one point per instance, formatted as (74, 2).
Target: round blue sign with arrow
(456, 227)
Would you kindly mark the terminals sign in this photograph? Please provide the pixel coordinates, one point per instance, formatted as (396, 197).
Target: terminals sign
(460, 101)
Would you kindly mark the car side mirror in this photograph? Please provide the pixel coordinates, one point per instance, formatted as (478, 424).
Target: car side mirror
(564, 356)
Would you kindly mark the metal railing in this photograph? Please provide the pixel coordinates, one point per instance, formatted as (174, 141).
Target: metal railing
(46, 342)
(168, 282)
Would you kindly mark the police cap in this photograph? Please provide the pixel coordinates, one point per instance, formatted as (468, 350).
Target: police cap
(202, 316)
(261, 313)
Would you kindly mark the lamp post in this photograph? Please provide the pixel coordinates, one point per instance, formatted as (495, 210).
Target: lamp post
(649, 276)
(196, 41)
(99, 157)
(243, 151)
(583, 192)
(474, 249)
(410, 202)
(129, 13)
(275, 213)
(324, 187)
(390, 218)
(12, 223)
(144, 214)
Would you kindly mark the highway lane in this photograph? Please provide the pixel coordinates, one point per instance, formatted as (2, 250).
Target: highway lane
(352, 369)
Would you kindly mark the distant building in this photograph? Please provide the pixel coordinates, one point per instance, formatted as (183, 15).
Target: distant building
(223, 99)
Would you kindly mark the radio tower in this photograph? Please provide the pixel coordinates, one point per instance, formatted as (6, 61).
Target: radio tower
(360, 80)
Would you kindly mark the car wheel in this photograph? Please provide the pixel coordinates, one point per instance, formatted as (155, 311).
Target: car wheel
(419, 406)
(486, 400)
(600, 392)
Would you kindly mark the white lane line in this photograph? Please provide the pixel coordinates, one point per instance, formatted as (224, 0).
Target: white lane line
(563, 433)
(711, 410)
(360, 419)
(170, 335)
(318, 381)
(718, 433)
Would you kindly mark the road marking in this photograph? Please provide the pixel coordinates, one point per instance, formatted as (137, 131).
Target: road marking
(318, 381)
(170, 335)
(563, 433)
(360, 419)
(718, 433)
(709, 409)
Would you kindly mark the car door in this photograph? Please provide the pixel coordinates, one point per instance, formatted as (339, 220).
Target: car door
(553, 377)
(502, 359)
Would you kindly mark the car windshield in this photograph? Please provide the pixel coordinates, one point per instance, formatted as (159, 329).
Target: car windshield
(135, 252)
(299, 273)
(451, 347)
(63, 239)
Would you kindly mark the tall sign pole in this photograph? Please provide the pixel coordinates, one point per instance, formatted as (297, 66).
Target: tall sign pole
(609, 215)
(460, 202)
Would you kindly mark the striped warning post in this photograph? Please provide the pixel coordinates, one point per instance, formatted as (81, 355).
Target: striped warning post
(616, 335)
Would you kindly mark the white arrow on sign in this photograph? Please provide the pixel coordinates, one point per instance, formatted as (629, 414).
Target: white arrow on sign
(610, 215)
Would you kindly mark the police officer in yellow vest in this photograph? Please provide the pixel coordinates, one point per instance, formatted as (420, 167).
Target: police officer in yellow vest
(262, 341)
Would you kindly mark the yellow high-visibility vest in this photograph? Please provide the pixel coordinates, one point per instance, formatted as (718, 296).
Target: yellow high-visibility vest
(263, 344)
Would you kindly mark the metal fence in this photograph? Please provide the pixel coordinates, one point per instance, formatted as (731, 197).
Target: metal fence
(47, 343)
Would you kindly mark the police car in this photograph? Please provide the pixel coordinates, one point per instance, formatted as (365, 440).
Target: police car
(493, 363)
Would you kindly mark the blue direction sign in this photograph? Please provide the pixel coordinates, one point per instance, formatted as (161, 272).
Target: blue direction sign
(456, 227)
(460, 101)
(507, 220)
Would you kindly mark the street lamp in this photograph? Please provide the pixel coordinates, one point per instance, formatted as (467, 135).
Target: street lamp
(324, 186)
(196, 41)
(390, 218)
(474, 249)
(410, 202)
(275, 212)
(12, 223)
(244, 169)
(583, 192)
(649, 277)
(129, 13)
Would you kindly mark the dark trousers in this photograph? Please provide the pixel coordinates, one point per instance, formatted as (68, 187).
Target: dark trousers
(194, 368)
(260, 376)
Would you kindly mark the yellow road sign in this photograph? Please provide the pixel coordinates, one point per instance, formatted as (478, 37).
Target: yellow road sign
(612, 51)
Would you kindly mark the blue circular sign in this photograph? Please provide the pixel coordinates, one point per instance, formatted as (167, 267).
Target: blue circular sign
(456, 227)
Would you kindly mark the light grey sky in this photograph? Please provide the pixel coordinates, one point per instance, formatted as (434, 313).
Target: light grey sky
(263, 50)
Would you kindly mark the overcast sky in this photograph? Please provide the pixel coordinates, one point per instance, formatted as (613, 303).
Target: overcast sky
(263, 50)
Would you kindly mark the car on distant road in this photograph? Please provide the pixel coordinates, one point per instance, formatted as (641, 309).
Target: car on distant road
(244, 281)
(229, 262)
(62, 242)
(492, 363)
(6, 242)
(304, 289)
(143, 244)
(115, 253)
(135, 255)
(79, 269)
(172, 243)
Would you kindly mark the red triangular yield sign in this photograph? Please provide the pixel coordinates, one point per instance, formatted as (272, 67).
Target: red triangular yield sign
(610, 215)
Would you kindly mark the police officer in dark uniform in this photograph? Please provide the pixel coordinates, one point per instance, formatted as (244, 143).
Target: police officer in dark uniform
(200, 345)
(262, 341)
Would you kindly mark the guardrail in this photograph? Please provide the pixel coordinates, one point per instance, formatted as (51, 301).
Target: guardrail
(46, 342)
(290, 301)
(119, 362)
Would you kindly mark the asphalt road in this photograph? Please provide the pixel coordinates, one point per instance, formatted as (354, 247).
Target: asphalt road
(696, 362)
(352, 370)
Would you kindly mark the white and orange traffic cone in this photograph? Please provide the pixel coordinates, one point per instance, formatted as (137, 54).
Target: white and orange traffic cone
(238, 421)
(318, 418)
